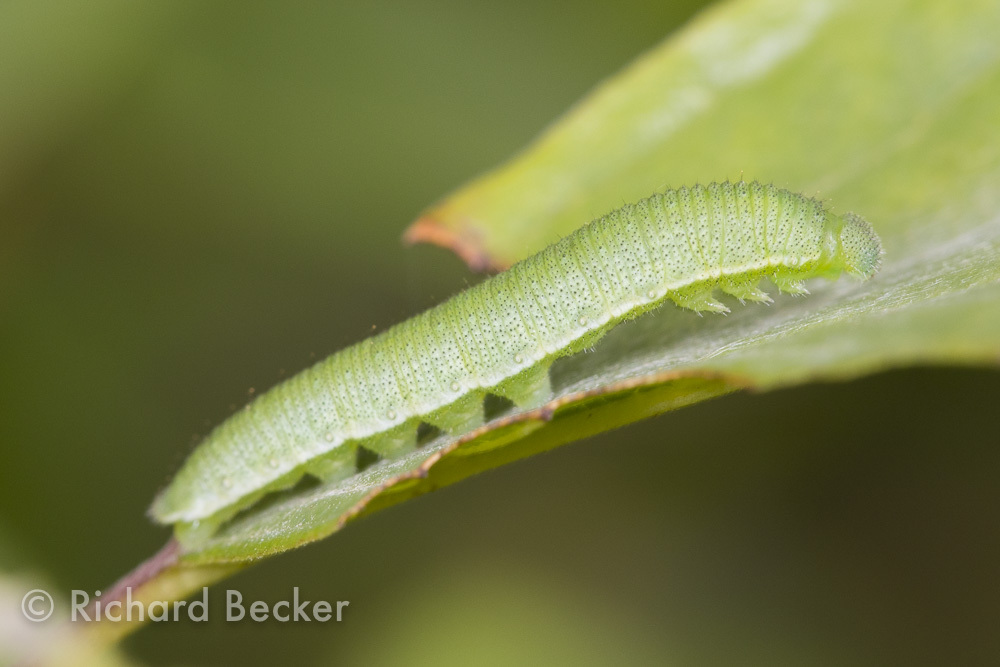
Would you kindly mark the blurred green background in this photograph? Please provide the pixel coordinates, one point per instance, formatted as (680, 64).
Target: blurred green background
(200, 198)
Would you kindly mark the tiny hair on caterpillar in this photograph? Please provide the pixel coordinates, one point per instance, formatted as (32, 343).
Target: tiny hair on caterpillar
(501, 336)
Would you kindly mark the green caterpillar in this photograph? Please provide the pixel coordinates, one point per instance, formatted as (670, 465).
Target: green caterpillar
(501, 337)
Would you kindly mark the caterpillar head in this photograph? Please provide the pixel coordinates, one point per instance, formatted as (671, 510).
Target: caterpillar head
(861, 250)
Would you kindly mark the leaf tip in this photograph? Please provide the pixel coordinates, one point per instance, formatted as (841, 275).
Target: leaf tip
(464, 242)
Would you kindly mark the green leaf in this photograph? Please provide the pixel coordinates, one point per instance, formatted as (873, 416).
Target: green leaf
(888, 109)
